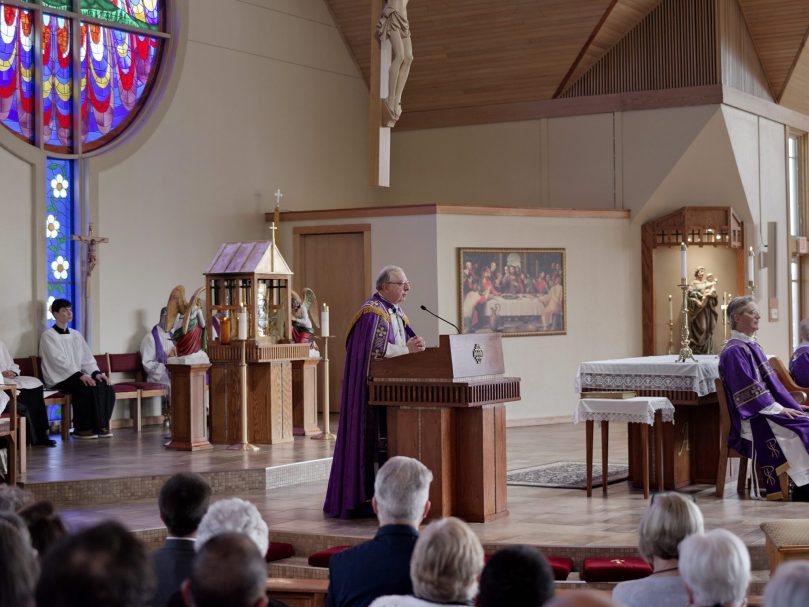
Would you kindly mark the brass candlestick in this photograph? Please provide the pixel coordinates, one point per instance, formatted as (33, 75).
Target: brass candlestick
(327, 434)
(244, 445)
(671, 329)
(686, 353)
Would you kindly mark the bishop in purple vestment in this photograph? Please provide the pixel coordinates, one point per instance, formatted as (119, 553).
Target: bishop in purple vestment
(799, 363)
(379, 330)
(766, 422)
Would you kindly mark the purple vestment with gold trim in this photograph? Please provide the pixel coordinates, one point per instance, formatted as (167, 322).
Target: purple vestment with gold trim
(751, 385)
(351, 482)
(799, 366)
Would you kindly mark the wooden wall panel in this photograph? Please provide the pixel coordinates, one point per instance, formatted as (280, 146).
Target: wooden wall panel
(674, 46)
(741, 67)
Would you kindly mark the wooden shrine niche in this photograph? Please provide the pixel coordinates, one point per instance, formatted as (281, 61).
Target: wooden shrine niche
(696, 227)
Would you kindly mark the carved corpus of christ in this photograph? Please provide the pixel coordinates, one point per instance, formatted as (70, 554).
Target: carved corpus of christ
(394, 26)
(89, 241)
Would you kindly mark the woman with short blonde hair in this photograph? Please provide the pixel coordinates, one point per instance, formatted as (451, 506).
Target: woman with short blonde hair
(669, 519)
(446, 563)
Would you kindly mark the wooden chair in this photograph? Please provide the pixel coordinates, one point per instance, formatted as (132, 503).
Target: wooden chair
(8, 430)
(130, 364)
(783, 374)
(123, 390)
(725, 452)
(58, 398)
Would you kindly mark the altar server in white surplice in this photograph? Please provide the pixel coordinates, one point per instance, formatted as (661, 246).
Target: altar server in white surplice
(68, 365)
(155, 348)
(30, 400)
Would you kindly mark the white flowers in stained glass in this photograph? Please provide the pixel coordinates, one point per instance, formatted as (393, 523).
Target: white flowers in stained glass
(59, 185)
(48, 308)
(60, 267)
(51, 227)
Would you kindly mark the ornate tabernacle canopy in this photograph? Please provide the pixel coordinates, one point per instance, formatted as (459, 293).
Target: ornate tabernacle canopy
(251, 278)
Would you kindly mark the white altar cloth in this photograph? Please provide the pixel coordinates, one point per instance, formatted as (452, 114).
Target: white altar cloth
(649, 373)
(638, 410)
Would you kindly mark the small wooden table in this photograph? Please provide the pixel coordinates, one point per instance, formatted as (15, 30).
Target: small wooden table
(643, 410)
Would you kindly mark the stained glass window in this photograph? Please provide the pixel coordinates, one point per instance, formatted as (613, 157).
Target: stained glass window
(58, 232)
(57, 83)
(136, 13)
(16, 71)
(117, 67)
(65, 5)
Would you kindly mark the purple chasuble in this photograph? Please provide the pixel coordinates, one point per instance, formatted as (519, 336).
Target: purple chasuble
(750, 386)
(351, 482)
(799, 366)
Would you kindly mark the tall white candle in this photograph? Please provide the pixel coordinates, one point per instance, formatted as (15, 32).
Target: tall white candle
(671, 310)
(324, 321)
(750, 265)
(683, 264)
(243, 322)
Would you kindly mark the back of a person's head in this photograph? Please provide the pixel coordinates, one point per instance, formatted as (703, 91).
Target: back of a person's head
(447, 560)
(228, 570)
(516, 576)
(715, 567)
(789, 586)
(237, 515)
(13, 498)
(18, 565)
(44, 525)
(183, 501)
(668, 520)
(401, 489)
(103, 566)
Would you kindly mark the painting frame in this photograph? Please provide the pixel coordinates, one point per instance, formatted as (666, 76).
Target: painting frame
(515, 291)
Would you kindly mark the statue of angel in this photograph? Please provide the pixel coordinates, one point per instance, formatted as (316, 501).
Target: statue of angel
(304, 314)
(187, 322)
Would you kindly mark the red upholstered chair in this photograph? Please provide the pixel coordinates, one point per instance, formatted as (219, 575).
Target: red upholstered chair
(562, 566)
(129, 363)
(57, 398)
(614, 569)
(278, 551)
(321, 558)
(123, 390)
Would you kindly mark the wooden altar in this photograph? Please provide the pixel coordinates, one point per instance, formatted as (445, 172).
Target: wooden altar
(446, 408)
(252, 279)
(188, 423)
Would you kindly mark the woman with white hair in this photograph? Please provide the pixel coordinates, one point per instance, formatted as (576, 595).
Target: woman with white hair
(715, 568)
(235, 515)
(789, 586)
(447, 561)
(668, 520)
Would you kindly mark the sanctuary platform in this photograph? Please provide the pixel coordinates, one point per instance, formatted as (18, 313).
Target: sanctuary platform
(119, 479)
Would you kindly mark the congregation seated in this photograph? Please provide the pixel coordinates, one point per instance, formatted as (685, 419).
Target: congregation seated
(183, 501)
(799, 363)
(381, 566)
(236, 515)
(715, 568)
(446, 563)
(228, 570)
(101, 566)
(68, 365)
(668, 520)
(789, 586)
(766, 423)
(30, 400)
(516, 575)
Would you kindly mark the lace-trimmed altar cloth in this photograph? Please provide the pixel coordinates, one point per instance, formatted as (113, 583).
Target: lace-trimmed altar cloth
(649, 373)
(638, 410)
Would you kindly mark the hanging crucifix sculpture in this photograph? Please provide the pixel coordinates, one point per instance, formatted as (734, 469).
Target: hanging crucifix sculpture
(91, 241)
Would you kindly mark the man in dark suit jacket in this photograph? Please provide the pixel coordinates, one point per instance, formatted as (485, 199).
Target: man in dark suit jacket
(381, 566)
(183, 502)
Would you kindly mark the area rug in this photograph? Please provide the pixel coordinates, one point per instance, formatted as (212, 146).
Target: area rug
(567, 475)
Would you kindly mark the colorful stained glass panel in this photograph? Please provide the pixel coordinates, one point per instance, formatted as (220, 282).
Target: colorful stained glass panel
(16, 71)
(57, 83)
(58, 232)
(146, 14)
(65, 5)
(117, 68)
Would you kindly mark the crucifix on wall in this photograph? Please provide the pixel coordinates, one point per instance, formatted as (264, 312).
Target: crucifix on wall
(90, 242)
(391, 56)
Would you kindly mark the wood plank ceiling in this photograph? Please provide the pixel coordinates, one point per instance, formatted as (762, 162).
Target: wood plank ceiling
(503, 53)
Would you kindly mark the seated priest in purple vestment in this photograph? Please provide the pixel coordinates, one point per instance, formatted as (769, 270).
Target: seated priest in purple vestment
(766, 422)
(379, 330)
(799, 363)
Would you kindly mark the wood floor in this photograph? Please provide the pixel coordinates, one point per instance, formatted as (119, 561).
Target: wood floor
(118, 478)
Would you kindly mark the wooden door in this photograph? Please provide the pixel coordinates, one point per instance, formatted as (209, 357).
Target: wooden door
(334, 261)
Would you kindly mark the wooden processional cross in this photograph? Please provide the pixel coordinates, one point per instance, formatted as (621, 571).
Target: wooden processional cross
(89, 243)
